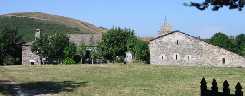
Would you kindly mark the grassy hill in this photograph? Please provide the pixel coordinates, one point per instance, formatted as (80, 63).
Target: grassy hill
(119, 79)
(27, 22)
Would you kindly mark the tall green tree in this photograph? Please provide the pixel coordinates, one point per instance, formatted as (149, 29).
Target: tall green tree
(10, 46)
(114, 43)
(69, 53)
(70, 50)
(52, 46)
(240, 40)
(95, 54)
(222, 40)
(117, 41)
(141, 51)
(82, 51)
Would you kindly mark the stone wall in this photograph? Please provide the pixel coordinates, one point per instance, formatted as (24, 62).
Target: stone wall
(28, 56)
(87, 39)
(178, 48)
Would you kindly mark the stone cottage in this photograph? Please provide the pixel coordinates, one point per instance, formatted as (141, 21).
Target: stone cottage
(27, 56)
(88, 39)
(178, 48)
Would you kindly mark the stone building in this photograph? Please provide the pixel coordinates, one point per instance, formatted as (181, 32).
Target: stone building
(178, 48)
(88, 39)
(27, 56)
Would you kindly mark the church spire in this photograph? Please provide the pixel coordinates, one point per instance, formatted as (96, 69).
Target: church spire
(165, 28)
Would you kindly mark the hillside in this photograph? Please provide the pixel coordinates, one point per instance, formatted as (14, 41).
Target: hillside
(27, 22)
(83, 26)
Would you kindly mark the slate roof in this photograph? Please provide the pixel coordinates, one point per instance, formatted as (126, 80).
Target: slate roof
(174, 32)
(87, 39)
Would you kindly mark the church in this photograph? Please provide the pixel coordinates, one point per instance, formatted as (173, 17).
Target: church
(179, 48)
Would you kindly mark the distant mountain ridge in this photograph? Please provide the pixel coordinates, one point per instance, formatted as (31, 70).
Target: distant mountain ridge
(27, 22)
(83, 26)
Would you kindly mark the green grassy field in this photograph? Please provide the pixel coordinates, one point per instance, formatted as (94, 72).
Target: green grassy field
(122, 80)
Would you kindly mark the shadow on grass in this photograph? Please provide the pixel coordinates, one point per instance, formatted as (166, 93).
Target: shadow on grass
(217, 94)
(37, 88)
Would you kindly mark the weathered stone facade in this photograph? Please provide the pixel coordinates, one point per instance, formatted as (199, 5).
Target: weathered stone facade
(28, 57)
(87, 39)
(178, 48)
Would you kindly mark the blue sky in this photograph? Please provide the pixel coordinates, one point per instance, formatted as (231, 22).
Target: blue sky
(145, 16)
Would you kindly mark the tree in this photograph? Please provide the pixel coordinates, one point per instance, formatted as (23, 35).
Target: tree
(234, 44)
(240, 41)
(141, 51)
(115, 43)
(217, 4)
(70, 50)
(52, 46)
(10, 46)
(222, 40)
(95, 54)
(69, 53)
(82, 51)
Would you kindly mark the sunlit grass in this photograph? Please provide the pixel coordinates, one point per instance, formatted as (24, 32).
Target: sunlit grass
(127, 80)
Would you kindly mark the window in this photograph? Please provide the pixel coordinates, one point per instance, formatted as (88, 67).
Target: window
(176, 56)
(163, 57)
(188, 58)
(223, 60)
(177, 42)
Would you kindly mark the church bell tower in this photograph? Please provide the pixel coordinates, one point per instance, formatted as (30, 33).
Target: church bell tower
(165, 28)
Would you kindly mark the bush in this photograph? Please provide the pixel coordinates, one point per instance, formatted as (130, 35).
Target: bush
(69, 61)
